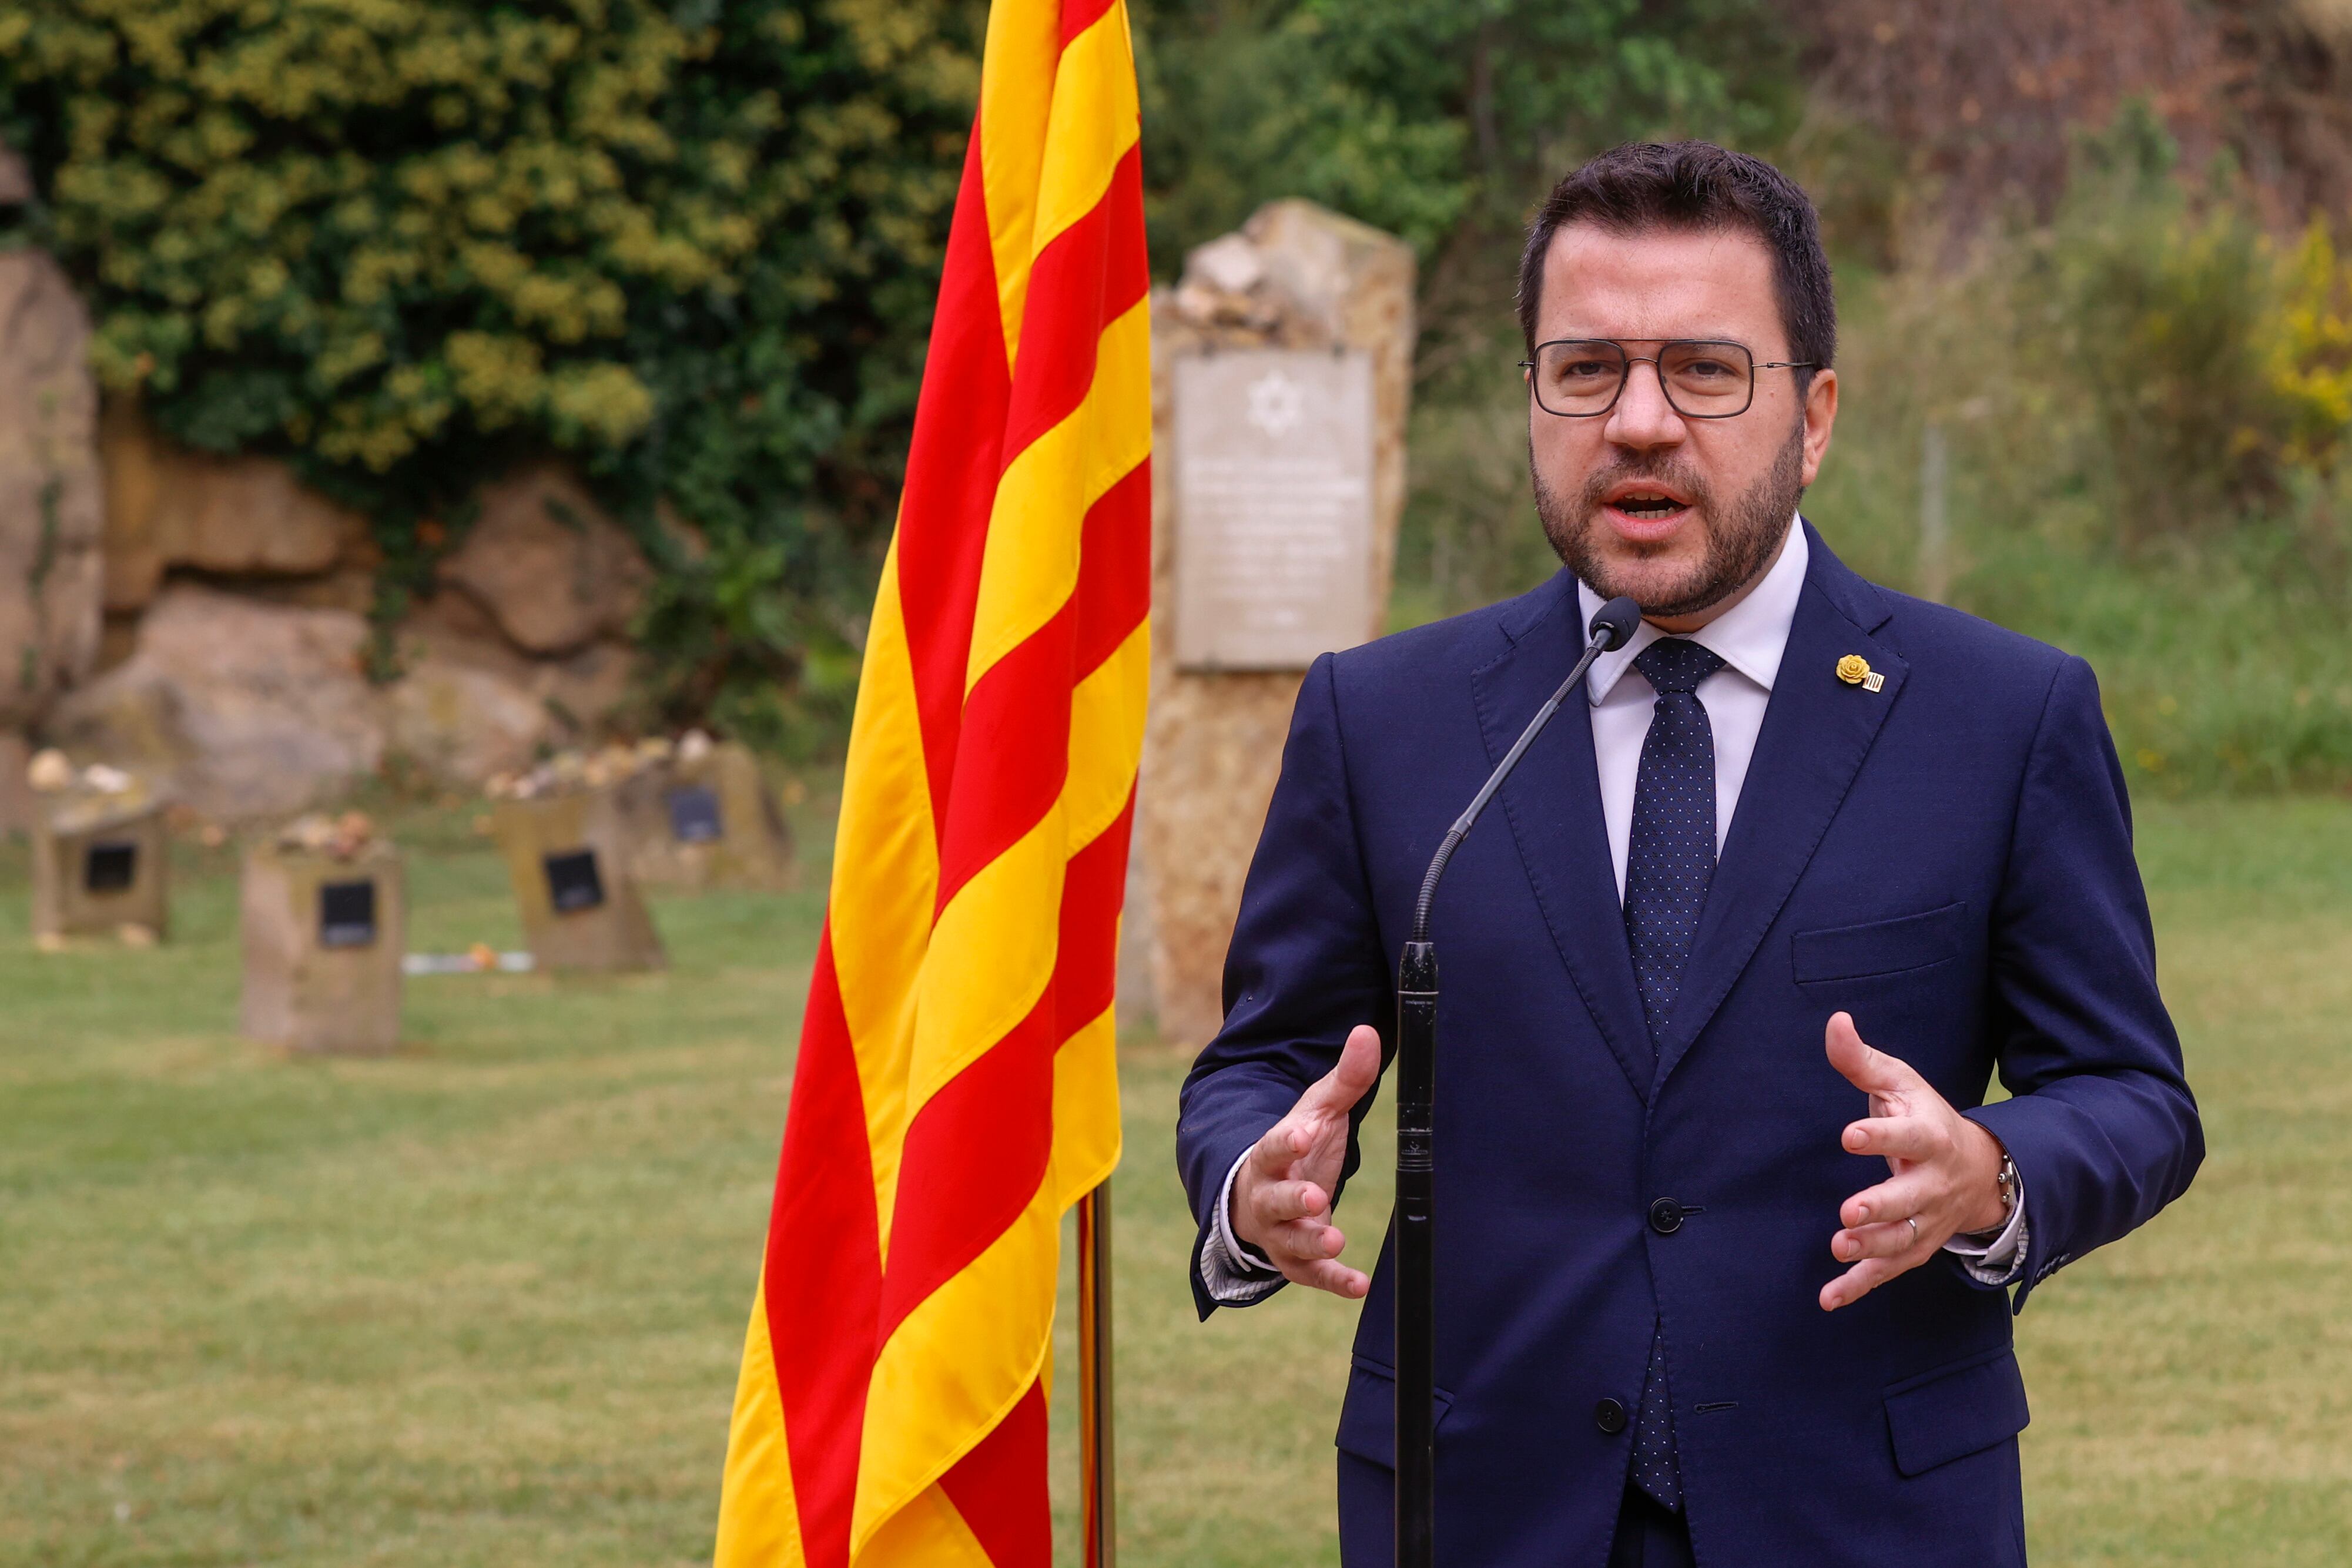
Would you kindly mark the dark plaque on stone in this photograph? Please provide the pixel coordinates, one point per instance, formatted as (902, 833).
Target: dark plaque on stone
(572, 883)
(347, 914)
(694, 814)
(109, 867)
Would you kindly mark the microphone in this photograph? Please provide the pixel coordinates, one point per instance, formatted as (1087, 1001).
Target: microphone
(1416, 1173)
(1612, 623)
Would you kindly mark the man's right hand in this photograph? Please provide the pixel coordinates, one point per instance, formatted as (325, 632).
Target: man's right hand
(1282, 1196)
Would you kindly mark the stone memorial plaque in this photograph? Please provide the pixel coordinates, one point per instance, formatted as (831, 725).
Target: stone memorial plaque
(706, 819)
(569, 857)
(694, 814)
(325, 928)
(100, 869)
(572, 883)
(109, 868)
(346, 914)
(1274, 507)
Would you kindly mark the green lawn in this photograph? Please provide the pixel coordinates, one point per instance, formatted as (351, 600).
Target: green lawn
(480, 1302)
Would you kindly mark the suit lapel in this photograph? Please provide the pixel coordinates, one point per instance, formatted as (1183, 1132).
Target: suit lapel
(1817, 731)
(1552, 800)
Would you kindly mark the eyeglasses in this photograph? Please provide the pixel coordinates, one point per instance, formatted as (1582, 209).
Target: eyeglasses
(1703, 378)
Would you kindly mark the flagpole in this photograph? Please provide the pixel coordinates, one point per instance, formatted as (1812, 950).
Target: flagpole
(1094, 1422)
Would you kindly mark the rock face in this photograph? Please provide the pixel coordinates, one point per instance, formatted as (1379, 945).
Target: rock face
(468, 705)
(50, 506)
(547, 563)
(459, 722)
(243, 690)
(1295, 276)
(246, 708)
(521, 651)
(202, 618)
(242, 707)
(239, 516)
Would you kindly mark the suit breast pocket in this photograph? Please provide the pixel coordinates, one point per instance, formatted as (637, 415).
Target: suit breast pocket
(1903, 946)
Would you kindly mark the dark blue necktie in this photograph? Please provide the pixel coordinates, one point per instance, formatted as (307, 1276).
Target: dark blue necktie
(1670, 854)
(1669, 861)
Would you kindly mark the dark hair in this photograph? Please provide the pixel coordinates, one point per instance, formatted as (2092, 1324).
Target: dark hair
(1642, 185)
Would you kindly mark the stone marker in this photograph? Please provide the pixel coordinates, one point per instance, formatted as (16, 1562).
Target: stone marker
(572, 864)
(1274, 506)
(326, 926)
(704, 817)
(1282, 368)
(101, 857)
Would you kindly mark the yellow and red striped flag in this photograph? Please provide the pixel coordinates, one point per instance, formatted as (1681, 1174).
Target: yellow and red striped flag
(956, 1088)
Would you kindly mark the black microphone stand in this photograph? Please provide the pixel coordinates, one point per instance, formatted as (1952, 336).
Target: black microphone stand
(1416, 1166)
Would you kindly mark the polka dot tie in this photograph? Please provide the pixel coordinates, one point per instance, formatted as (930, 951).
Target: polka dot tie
(1670, 854)
(1655, 1469)
(1669, 862)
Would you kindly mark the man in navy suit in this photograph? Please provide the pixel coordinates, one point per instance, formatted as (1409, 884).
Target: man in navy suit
(1725, 1226)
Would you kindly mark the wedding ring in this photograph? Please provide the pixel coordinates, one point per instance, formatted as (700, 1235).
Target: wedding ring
(1915, 1230)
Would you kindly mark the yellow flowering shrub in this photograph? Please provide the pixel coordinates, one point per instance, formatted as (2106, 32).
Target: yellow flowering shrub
(2309, 344)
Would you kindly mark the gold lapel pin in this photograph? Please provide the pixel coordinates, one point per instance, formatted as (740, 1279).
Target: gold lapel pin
(1855, 670)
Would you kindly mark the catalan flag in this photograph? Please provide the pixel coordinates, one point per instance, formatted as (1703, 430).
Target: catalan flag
(956, 1088)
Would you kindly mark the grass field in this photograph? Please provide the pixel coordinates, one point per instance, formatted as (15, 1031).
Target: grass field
(480, 1302)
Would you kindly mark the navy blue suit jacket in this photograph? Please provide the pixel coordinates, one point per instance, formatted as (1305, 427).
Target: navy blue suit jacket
(1948, 858)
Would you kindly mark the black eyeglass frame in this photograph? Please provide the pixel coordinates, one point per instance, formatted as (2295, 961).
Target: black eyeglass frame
(1627, 374)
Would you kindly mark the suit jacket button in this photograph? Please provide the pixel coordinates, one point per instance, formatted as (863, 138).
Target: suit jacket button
(1666, 1216)
(1609, 1416)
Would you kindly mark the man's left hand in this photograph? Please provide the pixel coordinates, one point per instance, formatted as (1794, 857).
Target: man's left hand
(1944, 1172)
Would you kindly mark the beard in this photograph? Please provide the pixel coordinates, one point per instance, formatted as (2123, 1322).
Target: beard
(1741, 538)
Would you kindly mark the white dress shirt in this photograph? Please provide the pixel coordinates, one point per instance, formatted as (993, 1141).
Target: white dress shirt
(1749, 637)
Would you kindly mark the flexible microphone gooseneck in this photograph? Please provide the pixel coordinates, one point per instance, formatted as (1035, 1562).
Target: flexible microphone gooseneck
(1416, 1166)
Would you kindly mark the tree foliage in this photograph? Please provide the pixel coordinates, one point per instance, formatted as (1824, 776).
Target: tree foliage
(1426, 116)
(400, 240)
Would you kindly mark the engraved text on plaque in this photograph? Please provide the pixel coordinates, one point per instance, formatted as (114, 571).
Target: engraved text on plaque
(1274, 507)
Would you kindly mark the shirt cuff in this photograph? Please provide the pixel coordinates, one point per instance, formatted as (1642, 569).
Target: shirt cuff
(1233, 1278)
(2002, 1261)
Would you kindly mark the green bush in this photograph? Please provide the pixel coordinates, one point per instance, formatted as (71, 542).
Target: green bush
(403, 241)
(2167, 323)
(2145, 403)
(1442, 121)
